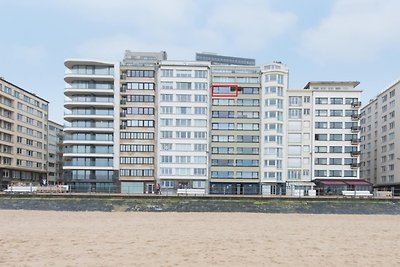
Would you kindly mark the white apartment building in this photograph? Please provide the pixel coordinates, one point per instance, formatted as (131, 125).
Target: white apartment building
(183, 125)
(91, 129)
(274, 86)
(335, 142)
(380, 154)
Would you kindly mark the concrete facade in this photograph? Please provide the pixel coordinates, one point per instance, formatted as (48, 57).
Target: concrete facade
(23, 136)
(379, 132)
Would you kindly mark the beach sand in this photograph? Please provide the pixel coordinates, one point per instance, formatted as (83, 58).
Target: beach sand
(48, 238)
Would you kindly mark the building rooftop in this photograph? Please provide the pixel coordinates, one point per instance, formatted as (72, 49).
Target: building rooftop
(32, 94)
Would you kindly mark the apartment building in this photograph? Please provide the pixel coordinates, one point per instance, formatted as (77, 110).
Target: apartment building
(379, 153)
(183, 125)
(138, 118)
(235, 130)
(335, 146)
(273, 96)
(55, 153)
(91, 116)
(23, 136)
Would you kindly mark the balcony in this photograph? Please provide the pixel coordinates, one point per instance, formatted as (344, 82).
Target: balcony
(355, 141)
(355, 129)
(355, 165)
(355, 117)
(355, 153)
(356, 104)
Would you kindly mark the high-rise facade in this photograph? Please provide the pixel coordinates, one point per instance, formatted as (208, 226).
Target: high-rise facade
(55, 153)
(91, 116)
(220, 129)
(23, 136)
(274, 86)
(183, 125)
(380, 152)
(235, 130)
(138, 118)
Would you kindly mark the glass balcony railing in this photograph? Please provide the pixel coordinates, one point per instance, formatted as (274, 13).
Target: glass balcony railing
(97, 112)
(90, 99)
(88, 163)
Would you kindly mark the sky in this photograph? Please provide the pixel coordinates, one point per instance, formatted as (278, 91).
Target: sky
(329, 40)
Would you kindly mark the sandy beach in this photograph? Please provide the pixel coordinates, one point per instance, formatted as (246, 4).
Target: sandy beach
(48, 238)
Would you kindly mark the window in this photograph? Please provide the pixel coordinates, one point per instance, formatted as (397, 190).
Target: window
(336, 101)
(278, 78)
(321, 125)
(223, 138)
(140, 86)
(335, 137)
(183, 110)
(295, 100)
(167, 73)
(295, 113)
(222, 150)
(166, 97)
(321, 113)
(335, 149)
(336, 113)
(183, 86)
(166, 110)
(140, 73)
(183, 98)
(183, 134)
(320, 173)
(321, 149)
(336, 125)
(335, 161)
(321, 137)
(200, 74)
(321, 161)
(321, 100)
(335, 173)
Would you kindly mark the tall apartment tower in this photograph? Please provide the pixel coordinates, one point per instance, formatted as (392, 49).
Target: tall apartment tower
(183, 125)
(138, 117)
(23, 136)
(55, 153)
(335, 146)
(235, 130)
(380, 153)
(91, 113)
(273, 95)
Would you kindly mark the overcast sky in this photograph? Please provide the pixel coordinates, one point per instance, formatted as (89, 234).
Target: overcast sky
(357, 40)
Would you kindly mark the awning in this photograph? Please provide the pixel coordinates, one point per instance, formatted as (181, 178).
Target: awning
(327, 182)
(358, 183)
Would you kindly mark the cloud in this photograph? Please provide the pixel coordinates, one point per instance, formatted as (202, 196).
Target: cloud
(356, 30)
(181, 27)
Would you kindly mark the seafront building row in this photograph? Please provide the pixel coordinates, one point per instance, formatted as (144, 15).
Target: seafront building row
(218, 125)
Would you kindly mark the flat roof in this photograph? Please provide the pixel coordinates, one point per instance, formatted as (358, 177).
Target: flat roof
(352, 83)
(32, 94)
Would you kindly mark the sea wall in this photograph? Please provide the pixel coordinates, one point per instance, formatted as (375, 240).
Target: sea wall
(110, 203)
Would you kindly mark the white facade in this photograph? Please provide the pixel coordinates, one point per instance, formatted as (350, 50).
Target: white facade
(91, 115)
(274, 85)
(379, 131)
(335, 130)
(183, 125)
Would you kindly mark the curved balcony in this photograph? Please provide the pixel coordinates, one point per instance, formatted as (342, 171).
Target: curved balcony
(70, 77)
(71, 117)
(86, 91)
(88, 168)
